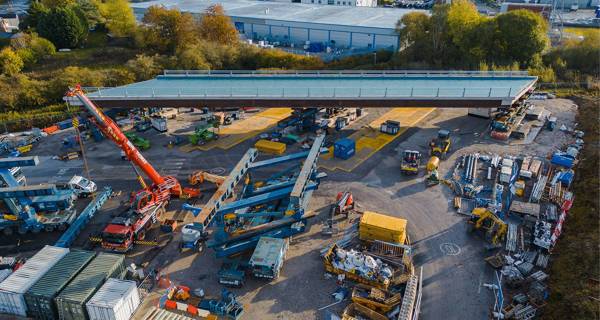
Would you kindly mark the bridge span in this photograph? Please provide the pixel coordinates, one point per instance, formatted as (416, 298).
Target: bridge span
(349, 88)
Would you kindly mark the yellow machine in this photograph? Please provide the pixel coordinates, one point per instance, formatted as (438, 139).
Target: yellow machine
(495, 229)
(432, 178)
(441, 144)
(201, 176)
(410, 162)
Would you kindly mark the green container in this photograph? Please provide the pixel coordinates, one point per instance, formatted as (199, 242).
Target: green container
(71, 301)
(40, 297)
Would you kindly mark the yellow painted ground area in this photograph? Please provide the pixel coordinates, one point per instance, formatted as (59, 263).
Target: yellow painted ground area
(369, 139)
(240, 131)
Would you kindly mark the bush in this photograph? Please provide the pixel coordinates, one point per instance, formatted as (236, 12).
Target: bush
(10, 62)
(144, 67)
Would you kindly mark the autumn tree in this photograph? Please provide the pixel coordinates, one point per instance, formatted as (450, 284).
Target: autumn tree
(10, 62)
(215, 26)
(118, 17)
(165, 29)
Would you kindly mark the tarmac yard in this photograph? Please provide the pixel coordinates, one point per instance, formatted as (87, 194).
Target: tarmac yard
(454, 272)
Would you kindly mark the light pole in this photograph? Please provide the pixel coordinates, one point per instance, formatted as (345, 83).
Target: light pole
(374, 57)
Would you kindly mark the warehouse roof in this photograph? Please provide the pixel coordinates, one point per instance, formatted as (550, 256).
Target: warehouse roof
(295, 12)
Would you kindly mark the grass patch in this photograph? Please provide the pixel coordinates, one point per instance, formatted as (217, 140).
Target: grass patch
(585, 32)
(575, 268)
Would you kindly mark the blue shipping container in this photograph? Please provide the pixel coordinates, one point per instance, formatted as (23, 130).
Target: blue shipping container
(562, 160)
(344, 148)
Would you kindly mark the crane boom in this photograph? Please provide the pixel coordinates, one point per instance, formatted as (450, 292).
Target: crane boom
(113, 132)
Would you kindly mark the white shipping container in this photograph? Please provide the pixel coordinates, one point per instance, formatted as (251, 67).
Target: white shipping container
(14, 287)
(115, 300)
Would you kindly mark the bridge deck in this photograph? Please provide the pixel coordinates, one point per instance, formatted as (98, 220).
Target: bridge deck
(319, 88)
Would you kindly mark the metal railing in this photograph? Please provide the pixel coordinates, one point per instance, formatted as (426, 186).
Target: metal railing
(343, 73)
(302, 92)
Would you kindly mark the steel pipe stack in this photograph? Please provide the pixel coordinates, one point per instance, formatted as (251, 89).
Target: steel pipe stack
(471, 168)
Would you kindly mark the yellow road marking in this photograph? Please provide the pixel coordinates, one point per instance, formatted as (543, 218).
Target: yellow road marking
(369, 139)
(240, 131)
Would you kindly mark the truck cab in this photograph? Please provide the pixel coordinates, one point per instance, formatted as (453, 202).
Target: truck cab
(82, 187)
(118, 235)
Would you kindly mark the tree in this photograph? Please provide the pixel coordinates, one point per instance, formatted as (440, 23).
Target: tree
(34, 12)
(217, 27)
(65, 27)
(58, 3)
(165, 30)
(414, 29)
(144, 67)
(119, 17)
(10, 62)
(91, 12)
(522, 34)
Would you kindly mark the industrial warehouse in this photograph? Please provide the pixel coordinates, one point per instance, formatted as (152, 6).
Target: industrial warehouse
(295, 25)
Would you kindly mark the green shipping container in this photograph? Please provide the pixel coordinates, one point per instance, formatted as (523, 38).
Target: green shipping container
(40, 297)
(71, 301)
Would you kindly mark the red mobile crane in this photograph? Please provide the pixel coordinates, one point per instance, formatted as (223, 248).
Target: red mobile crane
(146, 204)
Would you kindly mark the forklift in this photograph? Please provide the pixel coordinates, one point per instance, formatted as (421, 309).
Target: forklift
(440, 146)
(410, 162)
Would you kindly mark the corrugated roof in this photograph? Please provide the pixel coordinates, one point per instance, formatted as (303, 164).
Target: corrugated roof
(86, 282)
(295, 12)
(26, 276)
(61, 273)
(111, 292)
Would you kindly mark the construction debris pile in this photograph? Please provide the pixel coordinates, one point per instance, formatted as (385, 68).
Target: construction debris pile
(363, 265)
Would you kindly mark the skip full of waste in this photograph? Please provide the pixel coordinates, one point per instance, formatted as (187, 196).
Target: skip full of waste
(362, 265)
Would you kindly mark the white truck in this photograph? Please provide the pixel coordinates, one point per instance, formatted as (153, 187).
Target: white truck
(159, 123)
(81, 186)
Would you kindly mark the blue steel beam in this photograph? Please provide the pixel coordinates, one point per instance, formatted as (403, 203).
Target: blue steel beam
(310, 165)
(86, 215)
(283, 159)
(25, 213)
(260, 199)
(28, 191)
(7, 163)
(206, 214)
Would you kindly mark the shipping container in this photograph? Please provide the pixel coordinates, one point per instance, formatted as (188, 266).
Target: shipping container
(563, 160)
(344, 148)
(40, 298)
(390, 127)
(71, 301)
(13, 288)
(116, 300)
(377, 226)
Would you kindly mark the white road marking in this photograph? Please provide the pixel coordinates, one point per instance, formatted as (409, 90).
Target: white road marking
(450, 249)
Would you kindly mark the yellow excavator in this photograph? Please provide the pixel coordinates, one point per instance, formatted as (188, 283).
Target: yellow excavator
(440, 145)
(495, 229)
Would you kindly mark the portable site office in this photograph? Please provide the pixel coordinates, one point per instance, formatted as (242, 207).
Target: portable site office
(40, 298)
(71, 301)
(13, 288)
(116, 300)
